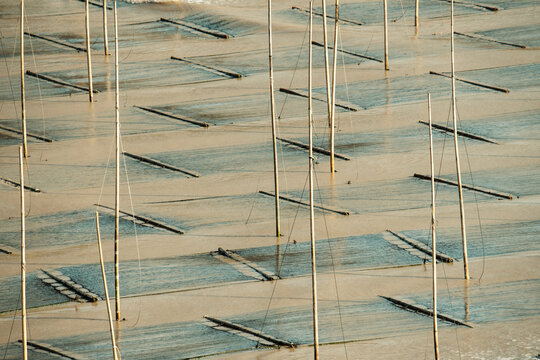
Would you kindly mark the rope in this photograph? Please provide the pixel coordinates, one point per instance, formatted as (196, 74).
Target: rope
(333, 269)
(134, 229)
(295, 68)
(282, 262)
(11, 328)
(284, 172)
(477, 207)
(105, 174)
(8, 74)
(38, 82)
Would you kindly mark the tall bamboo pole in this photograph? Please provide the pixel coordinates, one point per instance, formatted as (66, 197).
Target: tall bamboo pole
(88, 55)
(117, 178)
(433, 236)
(460, 189)
(105, 32)
(273, 115)
(326, 66)
(311, 211)
(385, 35)
(23, 258)
(109, 312)
(23, 97)
(416, 23)
(334, 68)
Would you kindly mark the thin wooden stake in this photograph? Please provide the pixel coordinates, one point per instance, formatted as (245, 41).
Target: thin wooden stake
(454, 122)
(109, 313)
(105, 32)
(88, 55)
(117, 179)
(334, 67)
(416, 22)
(311, 211)
(273, 115)
(433, 236)
(326, 67)
(23, 97)
(23, 258)
(385, 36)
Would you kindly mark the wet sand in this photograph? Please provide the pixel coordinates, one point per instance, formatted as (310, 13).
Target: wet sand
(185, 276)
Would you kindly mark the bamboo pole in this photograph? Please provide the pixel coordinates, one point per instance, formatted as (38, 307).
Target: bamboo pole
(105, 32)
(88, 55)
(334, 68)
(23, 259)
(454, 121)
(385, 35)
(311, 211)
(109, 313)
(23, 98)
(433, 236)
(273, 115)
(416, 22)
(326, 67)
(117, 178)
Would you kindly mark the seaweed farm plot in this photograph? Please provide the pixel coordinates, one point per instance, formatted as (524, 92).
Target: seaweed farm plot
(354, 320)
(39, 46)
(506, 5)
(12, 351)
(517, 182)
(134, 121)
(400, 140)
(40, 294)
(167, 274)
(155, 73)
(481, 303)
(10, 138)
(489, 240)
(217, 26)
(509, 127)
(230, 159)
(516, 77)
(242, 109)
(183, 340)
(66, 229)
(59, 176)
(35, 89)
(517, 37)
(284, 58)
(385, 195)
(517, 126)
(339, 254)
(397, 90)
(414, 88)
(371, 12)
(224, 209)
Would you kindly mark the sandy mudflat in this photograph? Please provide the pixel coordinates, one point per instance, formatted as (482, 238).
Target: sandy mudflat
(171, 281)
